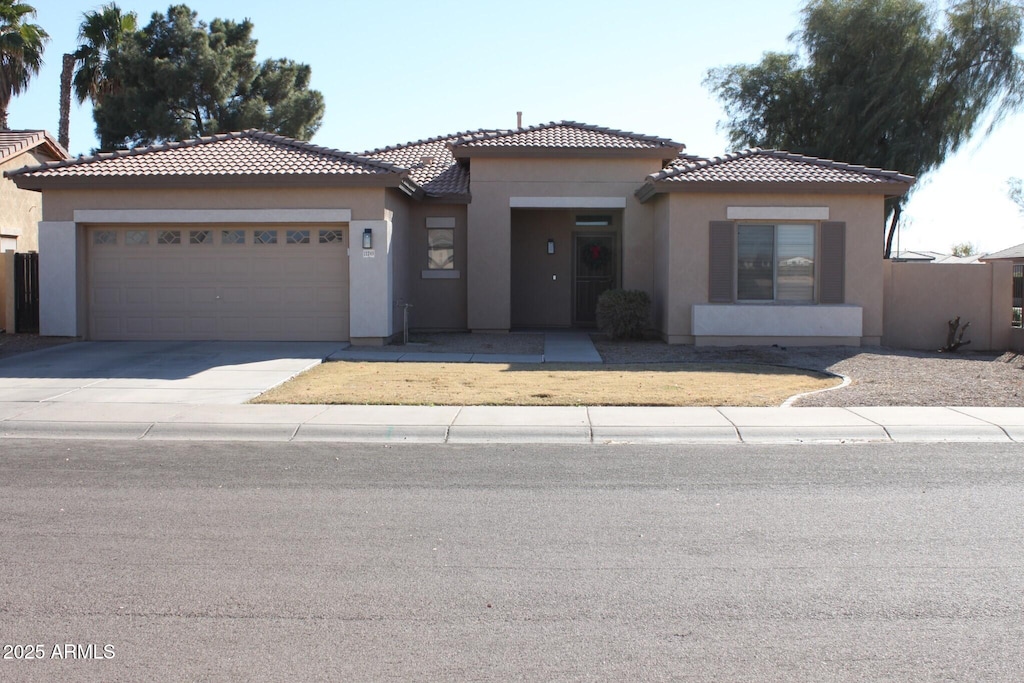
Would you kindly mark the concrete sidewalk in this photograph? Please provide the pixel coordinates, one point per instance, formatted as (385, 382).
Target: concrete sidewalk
(486, 424)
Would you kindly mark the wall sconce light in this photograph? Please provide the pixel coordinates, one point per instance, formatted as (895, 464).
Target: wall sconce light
(368, 238)
(551, 246)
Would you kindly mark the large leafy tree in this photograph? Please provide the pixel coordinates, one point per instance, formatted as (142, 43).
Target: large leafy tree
(882, 83)
(21, 51)
(179, 78)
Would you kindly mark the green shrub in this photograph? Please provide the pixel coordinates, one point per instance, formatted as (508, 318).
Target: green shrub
(623, 313)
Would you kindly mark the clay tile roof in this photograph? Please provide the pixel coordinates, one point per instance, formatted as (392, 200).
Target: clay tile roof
(248, 153)
(775, 166)
(431, 164)
(15, 142)
(567, 135)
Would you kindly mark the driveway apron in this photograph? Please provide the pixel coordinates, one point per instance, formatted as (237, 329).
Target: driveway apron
(157, 372)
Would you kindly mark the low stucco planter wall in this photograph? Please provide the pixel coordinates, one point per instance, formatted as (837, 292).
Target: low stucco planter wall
(750, 322)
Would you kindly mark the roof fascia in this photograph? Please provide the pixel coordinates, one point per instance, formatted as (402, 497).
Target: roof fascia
(31, 182)
(645, 192)
(891, 189)
(448, 198)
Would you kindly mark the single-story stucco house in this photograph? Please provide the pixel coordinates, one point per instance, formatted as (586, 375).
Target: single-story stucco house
(20, 210)
(254, 236)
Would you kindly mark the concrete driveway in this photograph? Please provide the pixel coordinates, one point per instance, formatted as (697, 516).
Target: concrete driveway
(157, 372)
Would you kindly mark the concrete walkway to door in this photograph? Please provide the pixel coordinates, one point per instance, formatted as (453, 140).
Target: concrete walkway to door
(572, 346)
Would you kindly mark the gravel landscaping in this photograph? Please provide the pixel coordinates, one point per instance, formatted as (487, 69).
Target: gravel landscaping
(879, 376)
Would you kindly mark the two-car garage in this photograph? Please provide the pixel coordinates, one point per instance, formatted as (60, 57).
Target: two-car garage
(268, 282)
(236, 236)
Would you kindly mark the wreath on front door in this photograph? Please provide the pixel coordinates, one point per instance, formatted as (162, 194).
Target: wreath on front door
(596, 256)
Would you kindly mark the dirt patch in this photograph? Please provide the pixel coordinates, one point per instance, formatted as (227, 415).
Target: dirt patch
(551, 384)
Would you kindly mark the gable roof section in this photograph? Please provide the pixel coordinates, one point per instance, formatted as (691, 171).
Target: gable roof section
(431, 164)
(1015, 253)
(248, 157)
(772, 171)
(565, 138)
(15, 142)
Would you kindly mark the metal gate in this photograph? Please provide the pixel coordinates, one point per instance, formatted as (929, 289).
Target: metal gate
(26, 293)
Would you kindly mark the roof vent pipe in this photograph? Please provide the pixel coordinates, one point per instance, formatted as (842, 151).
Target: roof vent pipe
(519, 120)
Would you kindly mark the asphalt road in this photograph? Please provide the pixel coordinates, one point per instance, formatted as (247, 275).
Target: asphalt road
(219, 561)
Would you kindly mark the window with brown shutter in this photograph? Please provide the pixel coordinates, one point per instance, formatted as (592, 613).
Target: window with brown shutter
(722, 260)
(832, 279)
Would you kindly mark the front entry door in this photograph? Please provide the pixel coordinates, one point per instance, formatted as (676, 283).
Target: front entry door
(596, 270)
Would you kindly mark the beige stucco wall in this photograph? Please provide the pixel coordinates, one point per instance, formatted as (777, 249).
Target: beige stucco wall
(921, 297)
(489, 241)
(20, 210)
(398, 272)
(365, 203)
(688, 216)
(438, 304)
(663, 238)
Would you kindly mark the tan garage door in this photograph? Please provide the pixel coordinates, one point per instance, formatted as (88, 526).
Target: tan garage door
(275, 283)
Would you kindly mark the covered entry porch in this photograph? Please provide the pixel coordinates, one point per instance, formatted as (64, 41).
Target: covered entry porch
(562, 260)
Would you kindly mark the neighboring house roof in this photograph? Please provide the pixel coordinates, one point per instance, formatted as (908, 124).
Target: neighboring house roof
(1015, 253)
(772, 169)
(250, 154)
(565, 136)
(431, 164)
(909, 256)
(15, 142)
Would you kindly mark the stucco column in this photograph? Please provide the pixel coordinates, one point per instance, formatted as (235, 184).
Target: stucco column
(59, 279)
(488, 262)
(371, 287)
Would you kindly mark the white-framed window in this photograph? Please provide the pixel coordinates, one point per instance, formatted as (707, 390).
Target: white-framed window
(297, 237)
(440, 249)
(775, 262)
(330, 236)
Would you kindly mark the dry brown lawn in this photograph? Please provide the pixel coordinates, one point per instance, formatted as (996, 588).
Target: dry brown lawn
(549, 384)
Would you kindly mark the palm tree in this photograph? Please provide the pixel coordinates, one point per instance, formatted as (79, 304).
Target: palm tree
(21, 52)
(99, 35)
(66, 72)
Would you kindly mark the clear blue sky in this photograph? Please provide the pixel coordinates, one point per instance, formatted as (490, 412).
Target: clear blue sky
(398, 70)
